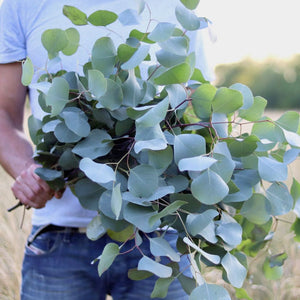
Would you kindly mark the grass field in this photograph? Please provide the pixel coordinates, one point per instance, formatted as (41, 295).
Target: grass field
(12, 239)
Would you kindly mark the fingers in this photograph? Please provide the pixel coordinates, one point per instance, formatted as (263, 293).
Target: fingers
(31, 190)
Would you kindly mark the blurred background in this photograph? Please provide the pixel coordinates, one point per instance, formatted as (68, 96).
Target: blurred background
(254, 42)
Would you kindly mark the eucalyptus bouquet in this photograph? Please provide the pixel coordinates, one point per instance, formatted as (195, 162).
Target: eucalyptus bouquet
(168, 151)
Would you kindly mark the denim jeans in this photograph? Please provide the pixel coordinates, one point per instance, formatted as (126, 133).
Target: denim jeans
(57, 266)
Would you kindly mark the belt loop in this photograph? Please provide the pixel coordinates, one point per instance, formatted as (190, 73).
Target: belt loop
(67, 234)
(33, 236)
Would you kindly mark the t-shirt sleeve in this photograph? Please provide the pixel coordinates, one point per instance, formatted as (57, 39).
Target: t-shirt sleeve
(12, 39)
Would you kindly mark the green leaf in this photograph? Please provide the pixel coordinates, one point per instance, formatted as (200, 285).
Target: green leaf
(242, 294)
(104, 55)
(34, 125)
(223, 167)
(155, 115)
(246, 92)
(160, 247)
(202, 100)
(132, 92)
(65, 135)
(73, 38)
(139, 216)
(215, 259)
(241, 147)
(97, 83)
(188, 145)
(227, 101)
(123, 235)
(289, 121)
(76, 120)
(160, 159)
(177, 74)
(76, 16)
(236, 272)
(295, 192)
(198, 163)
(58, 95)
(272, 273)
(113, 97)
(231, 233)
(27, 72)
(110, 252)
(271, 170)
(204, 189)
(150, 138)
(162, 32)
(161, 287)
(135, 274)
(170, 209)
(268, 130)
(257, 209)
(97, 144)
(137, 58)
(186, 18)
(198, 76)
(177, 95)
(255, 112)
(95, 230)
(116, 200)
(102, 17)
(143, 181)
(54, 40)
(177, 45)
(296, 228)
(140, 36)
(99, 173)
(280, 199)
(203, 224)
(48, 174)
(88, 193)
(190, 4)
(147, 264)
(209, 292)
(278, 259)
(292, 138)
(125, 52)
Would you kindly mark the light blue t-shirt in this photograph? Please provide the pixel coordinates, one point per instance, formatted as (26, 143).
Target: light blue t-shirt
(21, 26)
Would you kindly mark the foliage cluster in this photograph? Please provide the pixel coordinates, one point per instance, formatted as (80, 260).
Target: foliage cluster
(278, 81)
(168, 151)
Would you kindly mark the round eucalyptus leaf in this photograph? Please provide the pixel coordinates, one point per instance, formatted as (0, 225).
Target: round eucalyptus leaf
(113, 97)
(190, 4)
(143, 181)
(236, 272)
(187, 18)
(54, 40)
(76, 16)
(209, 292)
(204, 188)
(95, 230)
(257, 209)
(102, 18)
(161, 32)
(99, 173)
(65, 135)
(76, 120)
(58, 95)
(27, 72)
(88, 193)
(97, 144)
(103, 56)
(272, 170)
(188, 145)
(147, 264)
(73, 38)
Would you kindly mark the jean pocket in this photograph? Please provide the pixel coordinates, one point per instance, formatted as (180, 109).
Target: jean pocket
(45, 243)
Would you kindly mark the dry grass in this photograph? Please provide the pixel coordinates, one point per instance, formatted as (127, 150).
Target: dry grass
(12, 240)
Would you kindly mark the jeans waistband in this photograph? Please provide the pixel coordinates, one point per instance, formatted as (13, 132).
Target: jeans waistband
(51, 227)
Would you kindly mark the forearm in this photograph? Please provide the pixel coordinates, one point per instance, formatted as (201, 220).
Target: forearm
(15, 149)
